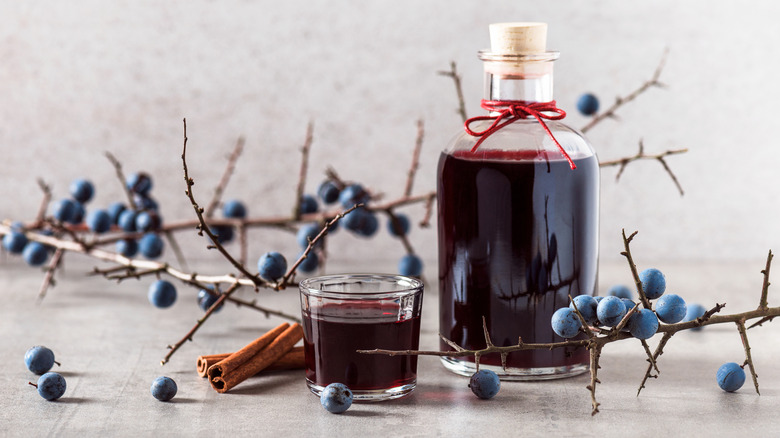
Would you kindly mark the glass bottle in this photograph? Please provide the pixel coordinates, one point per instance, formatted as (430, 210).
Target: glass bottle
(518, 224)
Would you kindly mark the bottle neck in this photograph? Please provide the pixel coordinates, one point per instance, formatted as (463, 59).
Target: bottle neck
(532, 85)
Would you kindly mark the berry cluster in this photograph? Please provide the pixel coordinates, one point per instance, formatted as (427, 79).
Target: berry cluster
(610, 311)
(39, 360)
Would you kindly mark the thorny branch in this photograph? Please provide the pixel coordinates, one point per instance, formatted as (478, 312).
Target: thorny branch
(640, 155)
(598, 338)
(223, 182)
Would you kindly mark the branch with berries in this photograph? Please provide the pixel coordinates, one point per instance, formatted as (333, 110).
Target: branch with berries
(594, 322)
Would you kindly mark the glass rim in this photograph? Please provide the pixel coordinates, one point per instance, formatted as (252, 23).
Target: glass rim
(412, 286)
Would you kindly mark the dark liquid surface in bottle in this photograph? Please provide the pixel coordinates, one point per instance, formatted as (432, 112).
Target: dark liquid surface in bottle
(331, 342)
(518, 233)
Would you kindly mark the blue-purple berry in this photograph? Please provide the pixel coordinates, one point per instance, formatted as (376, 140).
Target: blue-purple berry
(485, 384)
(114, 210)
(653, 283)
(164, 388)
(51, 386)
(151, 246)
(39, 359)
(162, 294)
(336, 398)
(586, 305)
(82, 190)
(588, 104)
(610, 311)
(353, 194)
(35, 253)
(140, 183)
(730, 377)
(308, 204)
(328, 192)
(620, 291)
(64, 210)
(410, 265)
(206, 300)
(398, 225)
(99, 221)
(14, 242)
(127, 247)
(310, 263)
(272, 266)
(234, 209)
(565, 323)
(694, 311)
(307, 233)
(670, 308)
(643, 324)
(126, 220)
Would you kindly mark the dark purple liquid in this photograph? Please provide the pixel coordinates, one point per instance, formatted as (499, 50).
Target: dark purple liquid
(517, 235)
(330, 345)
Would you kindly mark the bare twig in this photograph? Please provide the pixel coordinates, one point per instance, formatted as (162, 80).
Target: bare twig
(453, 73)
(415, 159)
(41, 215)
(304, 169)
(632, 266)
(223, 182)
(121, 176)
(620, 101)
(188, 337)
(748, 356)
(762, 304)
(48, 278)
(203, 227)
(640, 155)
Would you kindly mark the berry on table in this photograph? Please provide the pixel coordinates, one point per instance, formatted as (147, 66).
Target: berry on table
(272, 266)
(127, 247)
(485, 384)
(565, 323)
(99, 221)
(620, 291)
(643, 324)
(82, 190)
(39, 359)
(653, 283)
(730, 377)
(308, 204)
(51, 386)
(328, 191)
(163, 388)
(410, 266)
(14, 242)
(162, 294)
(35, 254)
(588, 104)
(64, 210)
(670, 308)
(398, 225)
(610, 311)
(336, 398)
(151, 246)
(586, 306)
(234, 209)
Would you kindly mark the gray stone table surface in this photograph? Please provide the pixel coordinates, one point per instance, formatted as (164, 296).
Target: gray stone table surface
(110, 341)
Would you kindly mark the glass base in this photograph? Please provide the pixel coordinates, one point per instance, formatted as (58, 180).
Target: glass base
(466, 368)
(370, 395)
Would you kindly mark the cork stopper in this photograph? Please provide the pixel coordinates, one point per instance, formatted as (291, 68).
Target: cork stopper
(518, 50)
(522, 38)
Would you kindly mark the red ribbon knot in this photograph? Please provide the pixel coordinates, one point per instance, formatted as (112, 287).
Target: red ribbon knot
(510, 111)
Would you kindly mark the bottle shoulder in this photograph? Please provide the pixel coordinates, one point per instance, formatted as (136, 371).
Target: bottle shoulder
(526, 134)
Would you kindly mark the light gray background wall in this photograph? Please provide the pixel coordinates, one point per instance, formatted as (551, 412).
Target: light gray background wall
(80, 78)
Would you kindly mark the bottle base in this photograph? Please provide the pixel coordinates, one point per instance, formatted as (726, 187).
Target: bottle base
(466, 368)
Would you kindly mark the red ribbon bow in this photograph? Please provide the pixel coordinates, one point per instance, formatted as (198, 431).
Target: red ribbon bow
(513, 110)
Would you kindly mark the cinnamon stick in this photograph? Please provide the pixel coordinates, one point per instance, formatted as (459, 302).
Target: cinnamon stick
(236, 359)
(223, 378)
(293, 360)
